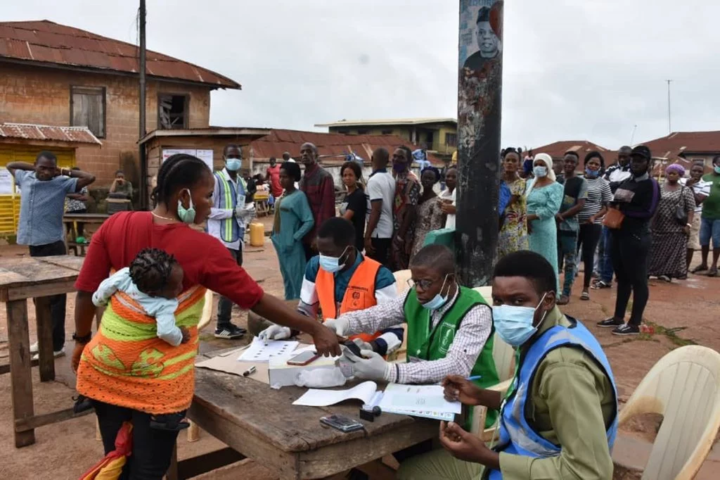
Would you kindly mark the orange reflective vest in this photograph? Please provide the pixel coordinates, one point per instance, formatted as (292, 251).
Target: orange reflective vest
(360, 293)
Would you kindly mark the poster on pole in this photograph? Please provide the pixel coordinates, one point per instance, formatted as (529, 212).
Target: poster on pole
(204, 155)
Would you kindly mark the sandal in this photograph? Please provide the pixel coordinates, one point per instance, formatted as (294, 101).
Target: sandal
(171, 422)
(699, 268)
(585, 295)
(713, 272)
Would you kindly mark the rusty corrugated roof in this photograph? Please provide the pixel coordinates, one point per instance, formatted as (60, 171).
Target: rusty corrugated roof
(581, 147)
(48, 133)
(48, 42)
(332, 147)
(688, 143)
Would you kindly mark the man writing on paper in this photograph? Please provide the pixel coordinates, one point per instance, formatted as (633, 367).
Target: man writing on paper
(449, 327)
(342, 280)
(559, 418)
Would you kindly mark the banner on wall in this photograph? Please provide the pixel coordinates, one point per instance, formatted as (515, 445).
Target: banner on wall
(204, 155)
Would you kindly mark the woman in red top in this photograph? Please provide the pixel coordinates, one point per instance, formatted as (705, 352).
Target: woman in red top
(127, 373)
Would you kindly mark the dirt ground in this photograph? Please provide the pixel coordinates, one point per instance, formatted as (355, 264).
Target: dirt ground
(684, 312)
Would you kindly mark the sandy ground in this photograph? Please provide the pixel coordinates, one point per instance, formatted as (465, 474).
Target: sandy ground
(682, 313)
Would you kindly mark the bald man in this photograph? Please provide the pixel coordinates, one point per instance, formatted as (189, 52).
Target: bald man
(319, 188)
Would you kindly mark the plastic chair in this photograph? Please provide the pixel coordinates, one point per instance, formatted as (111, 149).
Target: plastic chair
(684, 387)
(401, 280)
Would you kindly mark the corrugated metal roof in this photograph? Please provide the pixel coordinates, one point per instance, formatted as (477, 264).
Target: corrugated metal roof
(206, 132)
(49, 42)
(581, 147)
(332, 147)
(685, 142)
(48, 133)
(392, 121)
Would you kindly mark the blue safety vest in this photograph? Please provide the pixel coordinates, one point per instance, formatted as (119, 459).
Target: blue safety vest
(229, 196)
(516, 435)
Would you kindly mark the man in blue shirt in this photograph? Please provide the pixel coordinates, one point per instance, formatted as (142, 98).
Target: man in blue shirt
(43, 188)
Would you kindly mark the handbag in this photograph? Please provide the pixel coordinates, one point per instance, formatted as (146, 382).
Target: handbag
(613, 219)
(681, 216)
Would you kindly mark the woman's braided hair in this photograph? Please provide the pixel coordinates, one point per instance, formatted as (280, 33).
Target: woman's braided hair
(177, 172)
(151, 269)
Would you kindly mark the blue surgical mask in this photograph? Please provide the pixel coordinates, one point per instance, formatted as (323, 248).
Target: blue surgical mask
(332, 264)
(233, 164)
(717, 169)
(591, 173)
(438, 301)
(515, 324)
(540, 171)
(186, 215)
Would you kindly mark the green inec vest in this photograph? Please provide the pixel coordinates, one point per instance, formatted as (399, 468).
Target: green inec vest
(427, 343)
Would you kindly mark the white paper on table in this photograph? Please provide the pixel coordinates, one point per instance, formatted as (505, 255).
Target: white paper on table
(413, 399)
(264, 350)
(323, 398)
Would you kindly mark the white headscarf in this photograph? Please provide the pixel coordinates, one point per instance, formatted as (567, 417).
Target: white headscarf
(551, 173)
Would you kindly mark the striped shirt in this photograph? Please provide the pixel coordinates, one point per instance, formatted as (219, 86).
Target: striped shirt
(599, 194)
(469, 340)
(700, 188)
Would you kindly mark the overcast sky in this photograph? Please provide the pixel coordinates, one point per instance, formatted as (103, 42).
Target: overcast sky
(574, 69)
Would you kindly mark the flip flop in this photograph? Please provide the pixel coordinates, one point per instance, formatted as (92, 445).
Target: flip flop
(585, 296)
(698, 269)
(713, 273)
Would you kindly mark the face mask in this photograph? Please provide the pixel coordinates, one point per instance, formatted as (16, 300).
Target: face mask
(399, 167)
(591, 173)
(186, 215)
(332, 264)
(540, 171)
(439, 301)
(717, 169)
(233, 164)
(515, 324)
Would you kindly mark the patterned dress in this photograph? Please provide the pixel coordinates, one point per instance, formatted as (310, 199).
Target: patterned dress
(668, 254)
(407, 195)
(513, 235)
(429, 218)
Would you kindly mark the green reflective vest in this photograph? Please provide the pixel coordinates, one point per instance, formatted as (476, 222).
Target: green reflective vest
(427, 343)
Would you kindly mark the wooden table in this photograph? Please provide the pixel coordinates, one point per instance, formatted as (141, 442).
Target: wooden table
(262, 424)
(22, 278)
(70, 220)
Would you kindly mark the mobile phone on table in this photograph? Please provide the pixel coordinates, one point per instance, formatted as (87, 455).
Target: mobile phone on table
(342, 423)
(304, 358)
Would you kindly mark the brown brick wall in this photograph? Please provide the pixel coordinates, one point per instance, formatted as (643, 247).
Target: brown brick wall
(42, 95)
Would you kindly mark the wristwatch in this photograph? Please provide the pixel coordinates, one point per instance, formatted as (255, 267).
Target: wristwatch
(82, 340)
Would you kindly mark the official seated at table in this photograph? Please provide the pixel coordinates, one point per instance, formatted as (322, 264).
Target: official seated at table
(559, 418)
(342, 280)
(449, 327)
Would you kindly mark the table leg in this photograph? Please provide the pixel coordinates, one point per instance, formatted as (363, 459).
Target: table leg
(20, 372)
(45, 340)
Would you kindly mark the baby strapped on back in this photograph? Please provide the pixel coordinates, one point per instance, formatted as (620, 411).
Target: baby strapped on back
(154, 280)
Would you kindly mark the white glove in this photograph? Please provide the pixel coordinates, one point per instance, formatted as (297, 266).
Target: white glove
(276, 332)
(370, 367)
(362, 345)
(338, 325)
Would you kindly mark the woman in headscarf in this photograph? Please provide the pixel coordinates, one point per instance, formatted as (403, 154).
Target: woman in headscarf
(513, 234)
(544, 197)
(407, 194)
(430, 213)
(671, 227)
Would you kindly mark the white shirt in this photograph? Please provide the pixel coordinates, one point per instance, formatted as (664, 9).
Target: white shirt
(163, 309)
(446, 195)
(702, 188)
(217, 215)
(381, 186)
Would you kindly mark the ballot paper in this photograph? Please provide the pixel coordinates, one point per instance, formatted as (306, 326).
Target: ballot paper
(427, 401)
(324, 398)
(264, 350)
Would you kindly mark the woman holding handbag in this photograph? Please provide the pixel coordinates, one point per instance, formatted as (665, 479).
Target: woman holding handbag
(671, 227)
(632, 209)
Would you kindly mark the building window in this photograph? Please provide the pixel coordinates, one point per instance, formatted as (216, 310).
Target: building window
(451, 139)
(364, 132)
(387, 132)
(87, 109)
(344, 131)
(172, 111)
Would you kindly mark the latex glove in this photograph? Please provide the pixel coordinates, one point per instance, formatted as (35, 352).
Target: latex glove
(371, 367)
(276, 332)
(363, 345)
(338, 325)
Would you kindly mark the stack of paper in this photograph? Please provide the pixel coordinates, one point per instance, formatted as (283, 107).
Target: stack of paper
(425, 401)
(324, 398)
(265, 350)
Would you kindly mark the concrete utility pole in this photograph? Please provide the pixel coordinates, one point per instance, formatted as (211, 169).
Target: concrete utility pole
(479, 118)
(143, 91)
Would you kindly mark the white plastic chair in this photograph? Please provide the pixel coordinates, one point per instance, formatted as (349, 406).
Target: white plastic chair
(684, 387)
(401, 280)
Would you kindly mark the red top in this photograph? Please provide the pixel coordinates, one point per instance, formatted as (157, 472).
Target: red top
(203, 258)
(273, 174)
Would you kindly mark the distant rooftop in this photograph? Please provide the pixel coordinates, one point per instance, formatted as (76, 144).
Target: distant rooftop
(47, 133)
(390, 121)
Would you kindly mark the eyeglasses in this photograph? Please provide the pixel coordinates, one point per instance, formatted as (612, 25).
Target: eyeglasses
(424, 284)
